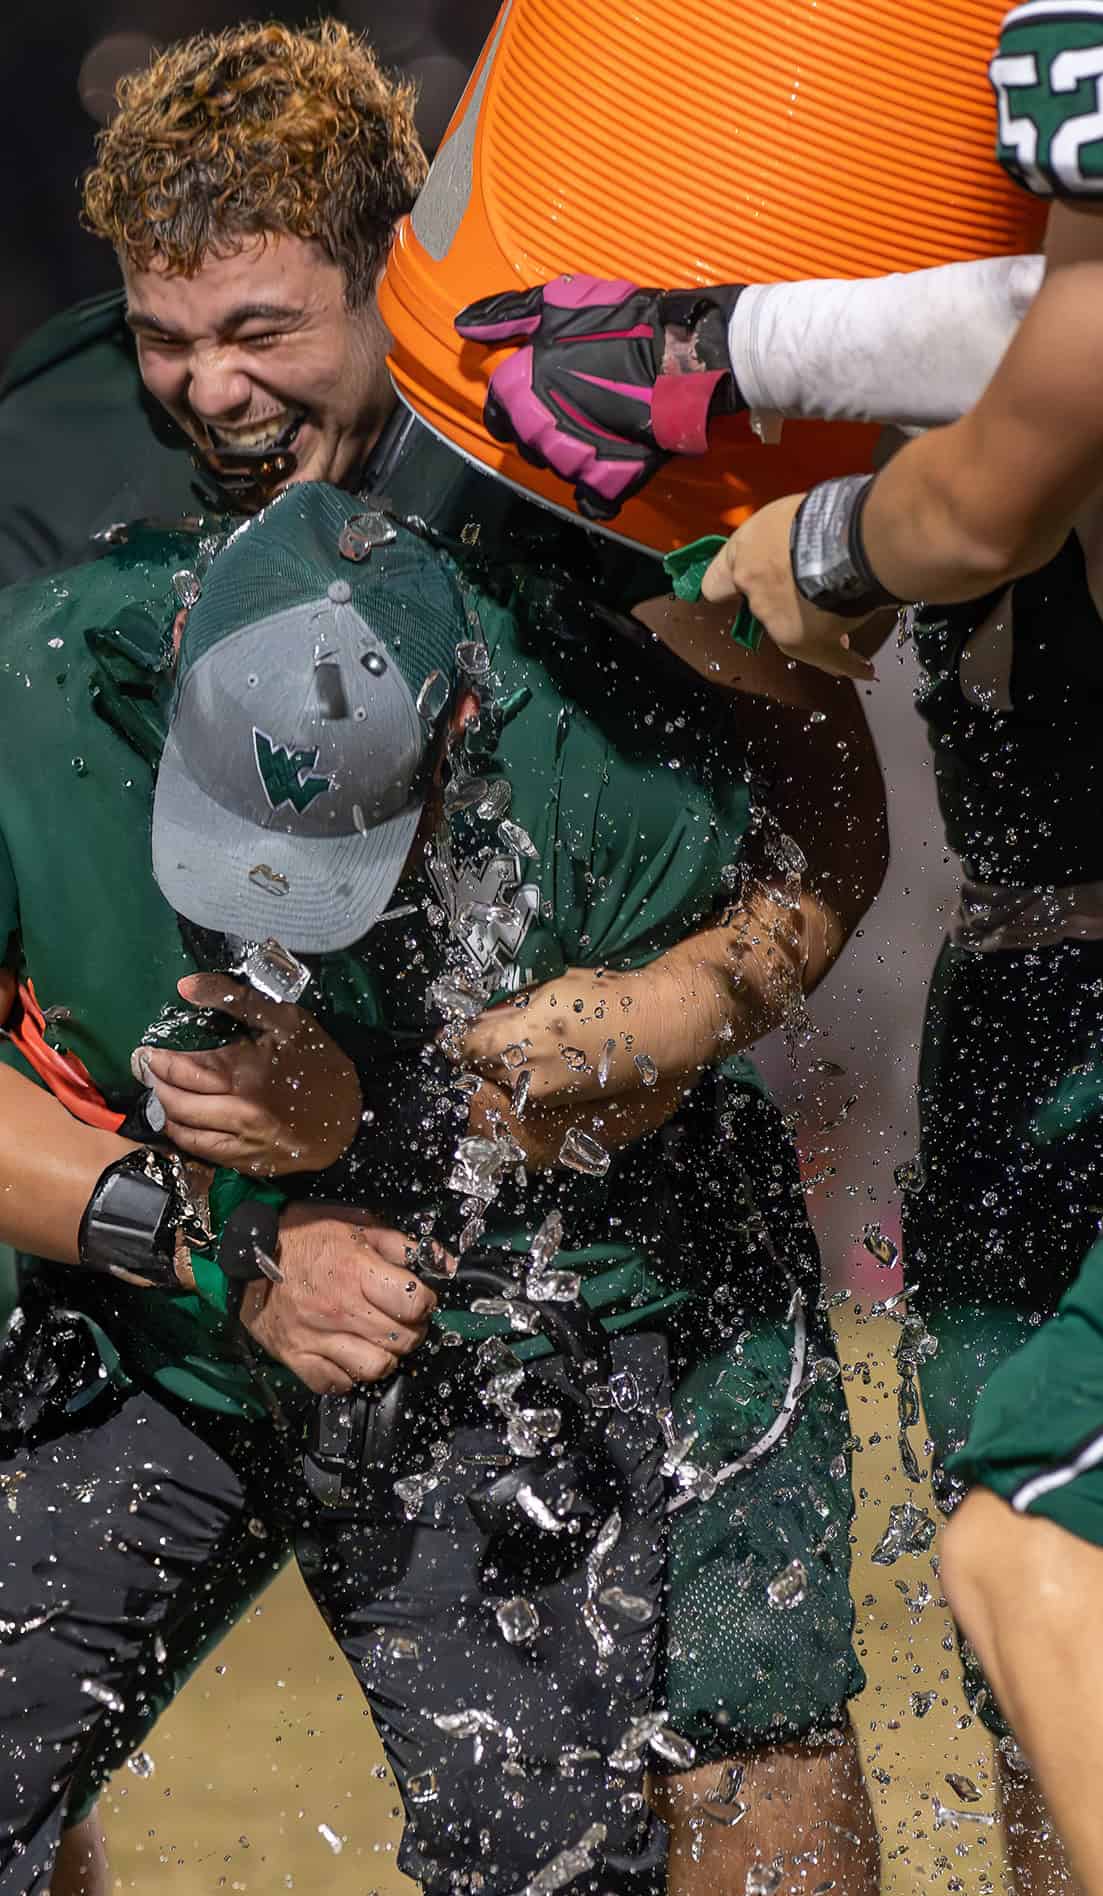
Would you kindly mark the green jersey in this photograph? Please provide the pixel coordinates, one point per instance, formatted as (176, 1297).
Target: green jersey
(634, 814)
(1048, 80)
(82, 446)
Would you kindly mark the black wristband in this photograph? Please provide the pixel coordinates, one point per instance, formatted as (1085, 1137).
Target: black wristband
(827, 552)
(129, 1223)
(252, 1226)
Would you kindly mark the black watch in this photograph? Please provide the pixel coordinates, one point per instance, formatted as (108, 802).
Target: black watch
(827, 553)
(139, 1207)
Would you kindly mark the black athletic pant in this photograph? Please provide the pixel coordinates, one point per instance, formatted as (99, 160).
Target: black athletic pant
(123, 1511)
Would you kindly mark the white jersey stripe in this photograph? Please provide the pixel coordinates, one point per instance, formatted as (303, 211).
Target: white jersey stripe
(1087, 1457)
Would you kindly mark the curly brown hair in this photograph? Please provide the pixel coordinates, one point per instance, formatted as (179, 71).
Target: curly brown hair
(258, 129)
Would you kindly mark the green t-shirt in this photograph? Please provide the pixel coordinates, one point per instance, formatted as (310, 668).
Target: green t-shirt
(82, 445)
(1048, 80)
(636, 801)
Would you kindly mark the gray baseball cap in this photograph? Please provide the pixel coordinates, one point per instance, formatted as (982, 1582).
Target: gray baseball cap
(311, 678)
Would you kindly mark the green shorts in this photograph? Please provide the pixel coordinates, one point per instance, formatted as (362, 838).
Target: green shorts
(760, 1614)
(1037, 1434)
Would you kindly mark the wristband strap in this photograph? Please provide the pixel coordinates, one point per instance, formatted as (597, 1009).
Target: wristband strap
(827, 552)
(137, 1208)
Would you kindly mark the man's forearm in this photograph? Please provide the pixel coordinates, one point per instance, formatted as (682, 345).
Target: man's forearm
(973, 506)
(915, 349)
(49, 1165)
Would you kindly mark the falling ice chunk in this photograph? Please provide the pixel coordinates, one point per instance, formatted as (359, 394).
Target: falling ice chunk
(630, 1606)
(675, 1749)
(519, 1621)
(513, 837)
(273, 970)
(945, 1818)
(103, 1695)
(422, 1787)
(1014, 1757)
(882, 1248)
(963, 1787)
(493, 806)
(186, 587)
(789, 1587)
(473, 657)
(160, 1650)
(628, 1752)
(546, 1242)
(597, 1629)
(646, 1068)
(921, 1702)
(399, 1649)
(581, 1151)
(528, 1431)
(268, 1265)
(569, 1864)
(263, 876)
(432, 697)
(455, 1002)
(762, 1881)
(606, 1061)
(514, 1056)
(910, 1177)
(141, 1764)
(730, 1785)
(464, 793)
(412, 1490)
(477, 1725)
(910, 1531)
(554, 1287)
(361, 533)
(521, 1093)
(538, 1510)
(330, 1836)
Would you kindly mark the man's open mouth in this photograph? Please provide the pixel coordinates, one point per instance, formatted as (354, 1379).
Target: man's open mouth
(263, 438)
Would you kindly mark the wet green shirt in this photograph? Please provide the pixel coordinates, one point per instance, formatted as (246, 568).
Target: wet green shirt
(635, 808)
(82, 445)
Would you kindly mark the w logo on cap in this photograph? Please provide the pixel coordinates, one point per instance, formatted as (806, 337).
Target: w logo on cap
(283, 773)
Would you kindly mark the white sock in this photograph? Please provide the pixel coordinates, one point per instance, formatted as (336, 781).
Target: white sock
(916, 349)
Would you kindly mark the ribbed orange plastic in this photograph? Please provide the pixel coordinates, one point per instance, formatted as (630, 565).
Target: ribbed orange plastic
(696, 142)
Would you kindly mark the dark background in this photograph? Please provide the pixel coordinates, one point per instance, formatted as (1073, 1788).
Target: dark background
(60, 63)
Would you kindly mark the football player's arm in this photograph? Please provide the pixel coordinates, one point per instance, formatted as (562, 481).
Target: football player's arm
(735, 979)
(914, 349)
(994, 496)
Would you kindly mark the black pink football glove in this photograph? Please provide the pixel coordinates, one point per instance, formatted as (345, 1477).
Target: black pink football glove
(611, 381)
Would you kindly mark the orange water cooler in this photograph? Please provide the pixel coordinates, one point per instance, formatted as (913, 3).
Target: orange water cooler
(701, 142)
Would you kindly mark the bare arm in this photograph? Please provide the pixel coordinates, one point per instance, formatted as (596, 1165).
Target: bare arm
(589, 1035)
(975, 505)
(49, 1164)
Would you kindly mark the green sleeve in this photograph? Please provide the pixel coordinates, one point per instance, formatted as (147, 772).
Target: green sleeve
(9, 899)
(1048, 80)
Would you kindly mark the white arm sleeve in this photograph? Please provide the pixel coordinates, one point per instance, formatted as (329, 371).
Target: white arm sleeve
(914, 349)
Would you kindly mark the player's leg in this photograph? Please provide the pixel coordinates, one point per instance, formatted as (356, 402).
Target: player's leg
(760, 1664)
(994, 1233)
(1026, 1579)
(801, 1809)
(1032, 1839)
(515, 1704)
(1029, 1596)
(115, 1503)
(80, 1867)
